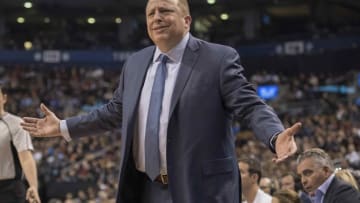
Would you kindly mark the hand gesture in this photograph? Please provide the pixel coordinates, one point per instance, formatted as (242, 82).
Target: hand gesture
(32, 195)
(48, 126)
(285, 145)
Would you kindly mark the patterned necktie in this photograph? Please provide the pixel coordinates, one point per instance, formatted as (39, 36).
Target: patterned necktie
(152, 153)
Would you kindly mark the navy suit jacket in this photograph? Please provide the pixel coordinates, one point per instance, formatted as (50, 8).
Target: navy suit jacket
(341, 192)
(210, 92)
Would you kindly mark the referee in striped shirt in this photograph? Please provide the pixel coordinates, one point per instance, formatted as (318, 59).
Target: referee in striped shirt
(16, 159)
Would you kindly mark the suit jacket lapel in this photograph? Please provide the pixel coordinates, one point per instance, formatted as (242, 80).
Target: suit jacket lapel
(329, 193)
(187, 64)
(139, 70)
(136, 71)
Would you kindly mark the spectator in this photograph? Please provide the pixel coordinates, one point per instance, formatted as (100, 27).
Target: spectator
(266, 185)
(317, 176)
(347, 176)
(285, 196)
(250, 171)
(289, 181)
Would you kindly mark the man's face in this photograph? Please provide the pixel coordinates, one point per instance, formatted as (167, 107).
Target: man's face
(166, 23)
(265, 185)
(312, 174)
(287, 183)
(247, 179)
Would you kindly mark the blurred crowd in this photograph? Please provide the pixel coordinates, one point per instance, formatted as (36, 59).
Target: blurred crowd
(330, 118)
(64, 34)
(87, 167)
(86, 170)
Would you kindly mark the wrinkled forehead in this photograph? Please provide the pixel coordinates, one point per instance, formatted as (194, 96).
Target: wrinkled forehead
(156, 2)
(307, 163)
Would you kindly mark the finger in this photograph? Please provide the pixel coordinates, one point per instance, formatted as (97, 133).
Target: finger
(30, 128)
(294, 129)
(44, 109)
(33, 196)
(291, 151)
(294, 149)
(28, 195)
(30, 120)
(24, 124)
(280, 159)
(36, 198)
(33, 131)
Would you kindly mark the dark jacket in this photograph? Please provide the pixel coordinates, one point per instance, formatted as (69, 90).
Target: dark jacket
(341, 192)
(210, 92)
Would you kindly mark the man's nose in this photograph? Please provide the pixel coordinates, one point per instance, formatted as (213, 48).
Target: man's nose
(157, 15)
(303, 180)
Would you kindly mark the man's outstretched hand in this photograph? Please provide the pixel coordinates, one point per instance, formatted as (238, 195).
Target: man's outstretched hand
(285, 145)
(48, 126)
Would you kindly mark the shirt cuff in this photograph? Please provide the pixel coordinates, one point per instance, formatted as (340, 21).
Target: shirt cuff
(273, 142)
(64, 130)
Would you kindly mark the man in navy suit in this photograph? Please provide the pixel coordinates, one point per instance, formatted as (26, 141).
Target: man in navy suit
(318, 179)
(205, 90)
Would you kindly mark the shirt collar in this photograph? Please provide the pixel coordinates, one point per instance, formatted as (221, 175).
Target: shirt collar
(175, 54)
(324, 187)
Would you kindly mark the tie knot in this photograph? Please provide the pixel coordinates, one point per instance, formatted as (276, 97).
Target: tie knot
(163, 58)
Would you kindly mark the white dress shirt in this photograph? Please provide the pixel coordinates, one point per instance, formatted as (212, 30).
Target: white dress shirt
(175, 56)
(322, 189)
(173, 64)
(261, 197)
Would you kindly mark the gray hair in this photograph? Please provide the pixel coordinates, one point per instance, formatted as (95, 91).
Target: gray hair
(318, 155)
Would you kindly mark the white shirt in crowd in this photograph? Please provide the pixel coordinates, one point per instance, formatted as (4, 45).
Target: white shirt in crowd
(261, 197)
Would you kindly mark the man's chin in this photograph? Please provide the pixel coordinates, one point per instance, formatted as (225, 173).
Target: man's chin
(160, 36)
(309, 191)
(161, 39)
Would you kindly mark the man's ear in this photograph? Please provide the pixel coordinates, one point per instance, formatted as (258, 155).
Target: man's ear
(187, 20)
(255, 178)
(327, 170)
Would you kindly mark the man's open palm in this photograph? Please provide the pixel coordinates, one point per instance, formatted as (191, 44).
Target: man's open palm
(48, 126)
(285, 145)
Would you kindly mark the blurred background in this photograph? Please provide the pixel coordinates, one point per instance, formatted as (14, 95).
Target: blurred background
(302, 56)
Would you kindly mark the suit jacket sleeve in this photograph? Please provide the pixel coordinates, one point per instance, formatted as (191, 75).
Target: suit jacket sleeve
(105, 118)
(241, 99)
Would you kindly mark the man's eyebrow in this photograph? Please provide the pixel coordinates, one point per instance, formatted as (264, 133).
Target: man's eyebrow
(307, 171)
